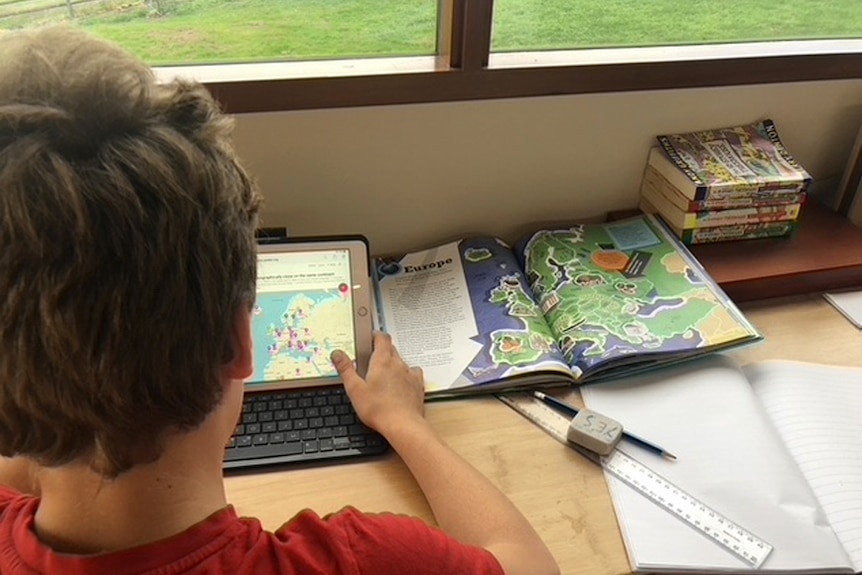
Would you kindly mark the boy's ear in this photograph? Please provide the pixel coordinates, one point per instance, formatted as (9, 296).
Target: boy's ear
(241, 363)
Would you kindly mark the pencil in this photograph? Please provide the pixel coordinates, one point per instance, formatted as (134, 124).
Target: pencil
(572, 411)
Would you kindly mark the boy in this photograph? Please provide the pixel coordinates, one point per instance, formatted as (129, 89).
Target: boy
(127, 270)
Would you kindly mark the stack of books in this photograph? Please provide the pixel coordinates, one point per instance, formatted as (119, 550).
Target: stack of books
(727, 184)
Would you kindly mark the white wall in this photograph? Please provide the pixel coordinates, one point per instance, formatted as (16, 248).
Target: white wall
(411, 176)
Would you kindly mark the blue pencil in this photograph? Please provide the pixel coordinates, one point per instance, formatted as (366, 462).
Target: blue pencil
(572, 411)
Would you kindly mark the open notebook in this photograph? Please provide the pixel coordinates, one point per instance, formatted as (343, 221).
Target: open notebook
(775, 446)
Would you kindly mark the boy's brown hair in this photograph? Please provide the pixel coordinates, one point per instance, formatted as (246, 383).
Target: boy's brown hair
(126, 252)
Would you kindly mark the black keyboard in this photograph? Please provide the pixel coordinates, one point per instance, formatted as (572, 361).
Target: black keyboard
(299, 426)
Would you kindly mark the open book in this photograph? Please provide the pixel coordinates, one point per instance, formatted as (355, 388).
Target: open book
(774, 446)
(564, 306)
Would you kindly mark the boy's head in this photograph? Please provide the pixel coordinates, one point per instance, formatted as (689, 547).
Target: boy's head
(126, 252)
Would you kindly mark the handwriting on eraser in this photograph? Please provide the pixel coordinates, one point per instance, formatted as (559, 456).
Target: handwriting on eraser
(594, 431)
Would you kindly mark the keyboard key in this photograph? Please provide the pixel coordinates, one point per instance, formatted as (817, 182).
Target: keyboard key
(276, 438)
(284, 425)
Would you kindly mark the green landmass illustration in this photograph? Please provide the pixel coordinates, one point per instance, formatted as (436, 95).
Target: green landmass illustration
(616, 315)
(475, 255)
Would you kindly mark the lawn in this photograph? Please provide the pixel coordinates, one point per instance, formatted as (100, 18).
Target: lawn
(205, 31)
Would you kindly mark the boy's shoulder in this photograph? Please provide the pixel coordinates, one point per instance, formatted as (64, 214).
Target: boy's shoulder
(387, 543)
(225, 543)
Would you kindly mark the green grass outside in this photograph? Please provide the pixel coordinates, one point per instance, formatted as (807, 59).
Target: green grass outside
(210, 31)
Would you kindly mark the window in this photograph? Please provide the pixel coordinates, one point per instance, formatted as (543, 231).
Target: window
(264, 55)
(521, 25)
(172, 32)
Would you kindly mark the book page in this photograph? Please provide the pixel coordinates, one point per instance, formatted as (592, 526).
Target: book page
(729, 457)
(463, 313)
(625, 295)
(817, 410)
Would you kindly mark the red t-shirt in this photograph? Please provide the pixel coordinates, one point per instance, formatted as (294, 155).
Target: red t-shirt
(347, 542)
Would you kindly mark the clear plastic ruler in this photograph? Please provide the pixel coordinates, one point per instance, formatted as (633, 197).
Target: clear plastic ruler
(732, 537)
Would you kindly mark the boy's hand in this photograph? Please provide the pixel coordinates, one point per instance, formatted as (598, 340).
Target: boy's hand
(391, 393)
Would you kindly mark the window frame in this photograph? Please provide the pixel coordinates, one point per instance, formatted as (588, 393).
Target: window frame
(465, 69)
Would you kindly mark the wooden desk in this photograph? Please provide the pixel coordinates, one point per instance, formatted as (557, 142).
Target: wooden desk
(563, 495)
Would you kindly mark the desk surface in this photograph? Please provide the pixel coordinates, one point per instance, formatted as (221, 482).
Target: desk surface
(563, 495)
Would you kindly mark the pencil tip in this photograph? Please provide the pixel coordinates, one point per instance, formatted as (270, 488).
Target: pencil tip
(670, 455)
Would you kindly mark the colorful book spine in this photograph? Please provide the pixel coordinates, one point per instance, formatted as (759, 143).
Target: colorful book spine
(739, 232)
(740, 216)
(790, 194)
(653, 200)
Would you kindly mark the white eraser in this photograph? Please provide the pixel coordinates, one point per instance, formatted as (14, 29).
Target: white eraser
(597, 432)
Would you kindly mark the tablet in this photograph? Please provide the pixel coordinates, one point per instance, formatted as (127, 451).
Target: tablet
(313, 296)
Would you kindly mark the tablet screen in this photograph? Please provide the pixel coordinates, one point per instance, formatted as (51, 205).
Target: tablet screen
(311, 300)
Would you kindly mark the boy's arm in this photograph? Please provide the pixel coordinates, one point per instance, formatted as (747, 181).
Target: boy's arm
(19, 473)
(465, 503)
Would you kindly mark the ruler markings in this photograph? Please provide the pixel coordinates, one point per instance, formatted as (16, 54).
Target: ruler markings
(652, 485)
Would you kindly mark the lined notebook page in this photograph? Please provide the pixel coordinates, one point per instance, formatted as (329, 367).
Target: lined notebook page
(817, 410)
(730, 458)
